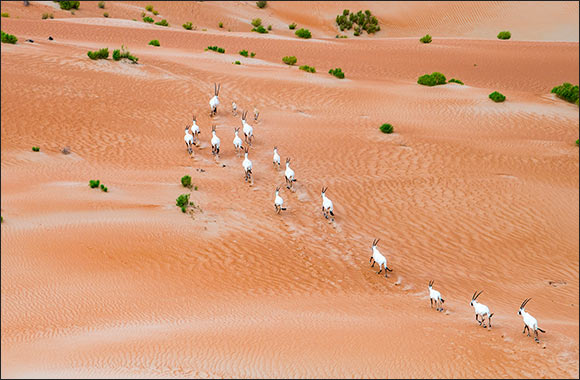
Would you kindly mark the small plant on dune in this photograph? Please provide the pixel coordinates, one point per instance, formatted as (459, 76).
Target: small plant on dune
(244, 53)
(505, 35)
(162, 23)
(340, 36)
(221, 24)
(303, 33)
(252, 54)
(289, 60)
(188, 25)
(122, 53)
(104, 188)
(237, 63)
(106, 14)
(182, 202)
(68, 5)
(47, 15)
(261, 4)
(426, 39)
(292, 26)
(1, 219)
(149, 8)
(497, 97)
(102, 4)
(154, 43)
(364, 21)
(257, 22)
(99, 54)
(577, 142)
(386, 128)
(217, 49)
(307, 68)
(337, 73)
(36, 149)
(5, 15)
(567, 92)
(453, 80)
(186, 181)
(269, 27)
(155, 12)
(94, 183)
(148, 19)
(432, 79)
(260, 29)
(8, 38)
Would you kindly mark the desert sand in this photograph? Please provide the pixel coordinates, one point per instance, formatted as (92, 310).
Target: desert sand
(473, 194)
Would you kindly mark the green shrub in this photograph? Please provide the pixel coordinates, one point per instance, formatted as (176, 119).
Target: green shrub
(1, 219)
(269, 27)
(292, 26)
(120, 54)
(182, 200)
(261, 4)
(453, 80)
(497, 97)
(94, 183)
(289, 60)
(217, 49)
(102, 4)
(505, 35)
(154, 43)
(47, 15)
(386, 128)
(104, 188)
(577, 142)
(307, 68)
(257, 22)
(252, 54)
(221, 24)
(186, 181)
(364, 21)
(36, 149)
(5, 15)
(162, 23)
(195, 188)
(149, 8)
(106, 14)
(237, 62)
(303, 33)
(432, 79)
(567, 92)
(187, 25)
(340, 36)
(337, 73)
(244, 53)
(260, 29)
(148, 19)
(67, 5)
(155, 12)
(8, 38)
(99, 54)
(426, 39)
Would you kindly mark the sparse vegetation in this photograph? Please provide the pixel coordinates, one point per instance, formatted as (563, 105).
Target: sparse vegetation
(567, 92)
(102, 4)
(149, 8)
(289, 60)
(182, 202)
(186, 181)
(244, 53)
(433, 79)
(453, 80)
(337, 73)
(386, 128)
(148, 19)
(8, 38)
(307, 68)
(221, 24)
(99, 54)
(252, 54)
(36, 149)
(577, 142)
(217, 49)
(47, 15)
(362, 21)
(269, 27)
(340, 36)
(4, 14)
(120, 54)
(257, 22)
(68, 5)
(505, 35)
(188, 25)
(94, 183)
(497, 97)
(104, 188)
(106, 14)
(292, 26)
(162, 23)
(155, 12)
(303, 33)
(260, 29)
(237, 62)
(261, 4)
(154, 43)
(426, 39)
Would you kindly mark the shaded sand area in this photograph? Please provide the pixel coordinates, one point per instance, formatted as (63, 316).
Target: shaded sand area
(467, 192)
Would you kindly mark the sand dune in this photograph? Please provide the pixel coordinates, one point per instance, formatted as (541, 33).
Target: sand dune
(473, 194)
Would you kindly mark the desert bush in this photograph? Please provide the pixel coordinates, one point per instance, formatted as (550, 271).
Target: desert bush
(567, 92)
(497, 97)
(186, 181)
(162, 23)
(99, 54)
(155, 12)
(252, 54)
(5, 14)
(94, 183)
(426, 39)
(188, 25)
(120, 54)
(68, 5)
(292, 26)
(154, 43)
(269, 27)
(453, 80)
(244, 53)
(47, 15)
(221, 24)
(182, 201)
(505, 35)
(149, 8)
(104, 188)
(260, 29)
(237, 62)
(8, 38)
(364, 21)
(101, 4)
(432, 79)
(261, 4)
(303, 33)
(257, 22)
(289, 60)
(217, 49)
(386, 128)
(36, 149)
(148, 19)
(577, 142)
(307, 68)
(106, 14)
(337, 73)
